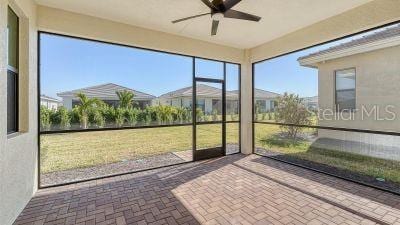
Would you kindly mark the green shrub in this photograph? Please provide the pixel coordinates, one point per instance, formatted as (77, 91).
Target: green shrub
(182, 115)
(257, 110)
(119, 117)
(131, 116)
(108, 114)
(164, 113)
(264, 116)
(200, 115)
(98, 119)
(144, 116)
(65, 119)
(74, 115)
(45, 115)
(214, 114)
(270, 116)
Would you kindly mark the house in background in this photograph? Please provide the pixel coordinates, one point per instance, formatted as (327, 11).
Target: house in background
(361, 74)
(105, 92)
(49, 102)
(208, 99)
(265, 100)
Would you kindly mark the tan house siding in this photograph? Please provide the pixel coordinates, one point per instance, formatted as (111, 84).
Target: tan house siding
(377, 84)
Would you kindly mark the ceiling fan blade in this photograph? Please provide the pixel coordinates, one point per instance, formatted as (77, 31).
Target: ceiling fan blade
(214, 27)
(218, 4)
(230, 3)
(209, 4)
(241, 15)
(190, 17)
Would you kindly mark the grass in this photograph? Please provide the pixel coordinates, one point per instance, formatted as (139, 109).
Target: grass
(270, 117)
(267, 136)
(80, 150)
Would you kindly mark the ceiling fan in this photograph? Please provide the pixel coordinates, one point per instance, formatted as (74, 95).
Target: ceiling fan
(222, 9)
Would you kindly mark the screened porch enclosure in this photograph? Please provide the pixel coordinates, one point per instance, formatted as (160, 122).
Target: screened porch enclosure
(121, 116)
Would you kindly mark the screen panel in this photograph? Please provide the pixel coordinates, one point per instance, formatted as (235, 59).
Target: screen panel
(92, 85)
(335, 107)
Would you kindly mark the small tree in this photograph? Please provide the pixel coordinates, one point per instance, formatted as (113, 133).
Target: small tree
(290, 110)
(125, 98)
(85, 106)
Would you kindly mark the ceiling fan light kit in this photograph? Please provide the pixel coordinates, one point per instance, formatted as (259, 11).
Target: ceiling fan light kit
(219, 10)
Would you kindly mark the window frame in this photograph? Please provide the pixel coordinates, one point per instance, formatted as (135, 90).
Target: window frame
(13, 72)
(337, 109)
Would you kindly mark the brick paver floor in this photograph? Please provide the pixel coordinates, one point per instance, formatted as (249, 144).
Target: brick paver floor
(236, 189)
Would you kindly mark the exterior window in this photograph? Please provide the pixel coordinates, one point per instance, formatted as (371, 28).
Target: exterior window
(345, 89)
(12, 72)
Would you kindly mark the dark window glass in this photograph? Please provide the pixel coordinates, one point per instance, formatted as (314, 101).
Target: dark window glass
(345, 89)
(12, 120)
(12, 72)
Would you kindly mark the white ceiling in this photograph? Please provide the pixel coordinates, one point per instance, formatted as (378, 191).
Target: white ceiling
(279, 17)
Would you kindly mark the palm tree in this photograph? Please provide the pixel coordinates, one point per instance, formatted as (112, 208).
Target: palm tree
(125, 98)
(85, 106)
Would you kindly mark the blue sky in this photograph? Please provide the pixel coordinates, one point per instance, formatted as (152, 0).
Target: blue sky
(69, 63)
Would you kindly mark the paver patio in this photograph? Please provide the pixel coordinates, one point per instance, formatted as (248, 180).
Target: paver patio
(236, 189)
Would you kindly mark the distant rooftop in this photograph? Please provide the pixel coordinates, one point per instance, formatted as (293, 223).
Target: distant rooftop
(106, 92)
(369, 39)
(202, 90)
(209, 91)
(48, 98)
(259, 93)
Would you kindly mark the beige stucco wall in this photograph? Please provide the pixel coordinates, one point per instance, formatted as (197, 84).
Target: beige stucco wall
(377, 86)
(18, 153)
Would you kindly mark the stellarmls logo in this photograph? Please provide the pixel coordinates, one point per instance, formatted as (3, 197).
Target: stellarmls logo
(375, 112)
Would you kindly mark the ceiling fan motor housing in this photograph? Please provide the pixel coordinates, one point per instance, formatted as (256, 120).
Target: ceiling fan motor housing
(217, 16)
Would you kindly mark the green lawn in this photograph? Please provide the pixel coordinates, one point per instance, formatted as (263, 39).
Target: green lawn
(86, 149)
(267, 137)
(79, 150)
